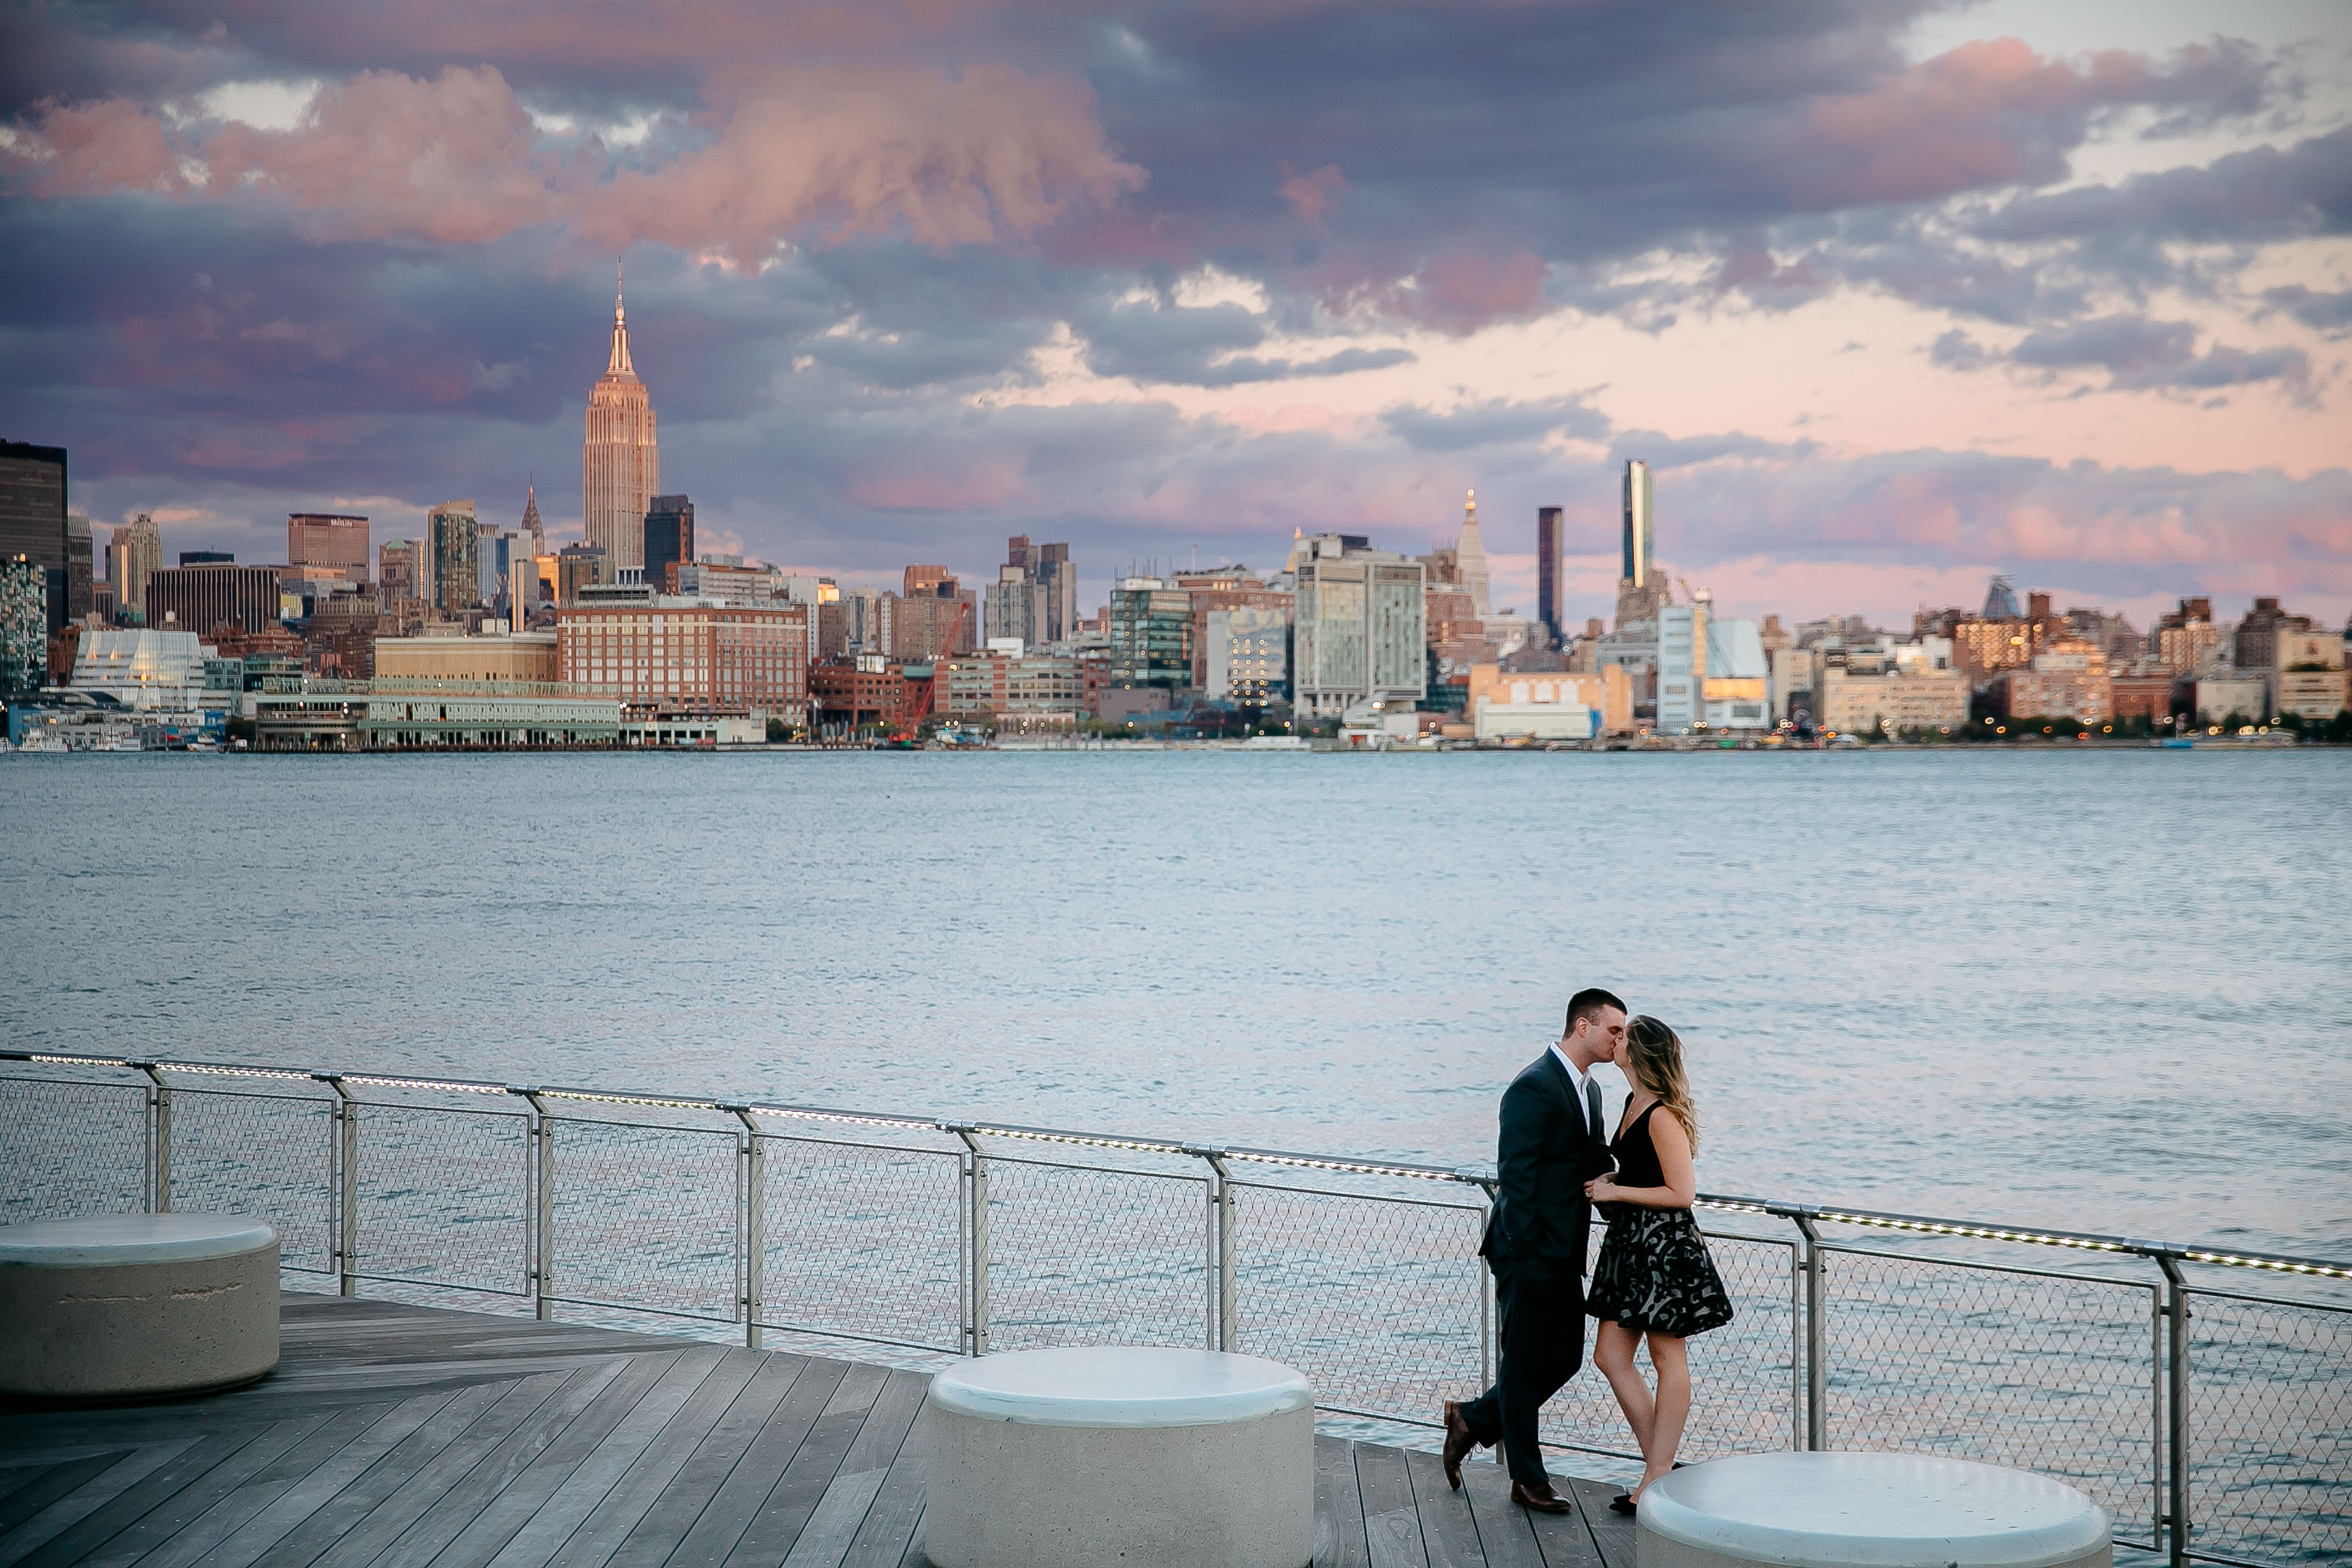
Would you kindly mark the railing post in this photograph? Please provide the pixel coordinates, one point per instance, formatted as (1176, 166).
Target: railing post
(1221, 1327)
(754, 1209)
(2178, 1519)
(342, 1160)
(543, 1203)
(1817, 1376)
(159, 1140)
(1485, 1282)
(975, 1237)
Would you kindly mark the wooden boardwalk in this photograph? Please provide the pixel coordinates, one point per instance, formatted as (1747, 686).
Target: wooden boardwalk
(398, 1435)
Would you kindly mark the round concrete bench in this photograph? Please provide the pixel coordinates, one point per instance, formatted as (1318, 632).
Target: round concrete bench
(1144, 1457)
(120, 1306)
(1866, 1511)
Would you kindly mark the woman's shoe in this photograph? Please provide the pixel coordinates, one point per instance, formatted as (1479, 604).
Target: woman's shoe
(1623, 1503)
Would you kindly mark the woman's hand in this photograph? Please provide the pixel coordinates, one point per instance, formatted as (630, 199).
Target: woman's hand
(1600, 1189)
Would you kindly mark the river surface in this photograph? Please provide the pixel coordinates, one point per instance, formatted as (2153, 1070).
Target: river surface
(2107, 991)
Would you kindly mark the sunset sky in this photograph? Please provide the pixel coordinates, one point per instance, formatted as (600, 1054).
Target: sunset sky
(1890, 295)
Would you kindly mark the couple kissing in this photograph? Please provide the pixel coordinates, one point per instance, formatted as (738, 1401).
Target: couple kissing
(1555, 1161)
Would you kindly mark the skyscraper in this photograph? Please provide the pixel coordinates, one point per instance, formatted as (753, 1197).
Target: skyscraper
(336, 540)
(33, 515)
(620, 465)
(137, 549)
(1640, 528)
(1548, 571)
(77, 565)
(455, 549)
(667, 539)
(1470, 557)
(532, 528)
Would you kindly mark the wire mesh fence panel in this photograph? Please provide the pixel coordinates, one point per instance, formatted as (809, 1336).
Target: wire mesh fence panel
(2036, 1371)
(863, 1240)
(267, 1155)
(1743, 1383)
(2269, 1429)
(645, 1217)
(1378, 1301)
(444, 1197)
(71, 1149)
(1085, 1256)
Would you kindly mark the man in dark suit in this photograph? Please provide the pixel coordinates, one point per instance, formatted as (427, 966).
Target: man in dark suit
(1552, 1142)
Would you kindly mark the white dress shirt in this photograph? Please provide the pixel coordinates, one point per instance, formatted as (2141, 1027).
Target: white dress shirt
(1575, 1077)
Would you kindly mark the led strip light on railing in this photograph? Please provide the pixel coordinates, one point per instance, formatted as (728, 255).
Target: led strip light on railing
(210, 1070)
(2273, 1265)
(844, 1118)
(1081, 1139)
(1351, 1167)
(460, 1086)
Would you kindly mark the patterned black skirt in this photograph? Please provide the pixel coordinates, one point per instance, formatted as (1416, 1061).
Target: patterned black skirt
(1655, 1275)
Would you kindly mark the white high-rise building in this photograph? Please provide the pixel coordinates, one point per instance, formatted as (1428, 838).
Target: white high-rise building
(620, 467)
(1470, 558)
(1359, 625)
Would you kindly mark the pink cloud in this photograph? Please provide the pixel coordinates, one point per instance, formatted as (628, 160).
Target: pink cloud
(991, 155)
(106, 146)
(449, 160)
(1986, 114)
(1464, 290)
(1310, 195)
(988, 484)
(952, 161)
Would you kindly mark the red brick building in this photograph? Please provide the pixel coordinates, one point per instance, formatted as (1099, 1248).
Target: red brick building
(688, 658)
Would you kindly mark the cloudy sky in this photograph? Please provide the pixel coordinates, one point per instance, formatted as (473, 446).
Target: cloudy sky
(1890, 295)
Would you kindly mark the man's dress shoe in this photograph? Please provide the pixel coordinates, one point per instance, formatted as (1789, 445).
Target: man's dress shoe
(1538, 1499)
(1458, 1443)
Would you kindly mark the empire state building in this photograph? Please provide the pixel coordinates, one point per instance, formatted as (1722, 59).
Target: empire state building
(620, 465)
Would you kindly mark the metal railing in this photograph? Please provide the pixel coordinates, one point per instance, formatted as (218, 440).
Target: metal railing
(2215, 1423)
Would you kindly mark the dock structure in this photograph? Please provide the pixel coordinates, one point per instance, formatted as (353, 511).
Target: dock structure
(402, 1435)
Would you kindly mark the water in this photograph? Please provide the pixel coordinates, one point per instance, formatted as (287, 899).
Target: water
(2107, 991)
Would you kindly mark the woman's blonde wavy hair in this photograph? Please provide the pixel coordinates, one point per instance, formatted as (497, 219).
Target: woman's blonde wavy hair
(1655, 1053)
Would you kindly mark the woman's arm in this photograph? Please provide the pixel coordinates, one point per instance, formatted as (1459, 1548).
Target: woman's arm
(1672, 1144)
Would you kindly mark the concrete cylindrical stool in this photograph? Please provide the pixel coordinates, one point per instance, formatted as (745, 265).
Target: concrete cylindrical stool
(1866, 1511)
(119, 1305)
(1144, 1457)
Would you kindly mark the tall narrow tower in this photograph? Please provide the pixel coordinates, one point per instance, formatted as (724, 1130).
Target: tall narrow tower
(620, 467)
(1639, 527)
(1548, 571)
(1470, 557)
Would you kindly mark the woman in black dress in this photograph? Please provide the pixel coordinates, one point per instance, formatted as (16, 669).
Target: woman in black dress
(1655, 1277)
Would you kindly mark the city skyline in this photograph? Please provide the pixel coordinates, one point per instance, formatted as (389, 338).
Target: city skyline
(2060, 296)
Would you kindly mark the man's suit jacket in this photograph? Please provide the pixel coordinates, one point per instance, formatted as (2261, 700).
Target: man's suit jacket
(1545, 1155)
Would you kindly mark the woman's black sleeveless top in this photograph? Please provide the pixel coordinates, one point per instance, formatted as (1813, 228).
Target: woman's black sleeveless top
(1637, 1157)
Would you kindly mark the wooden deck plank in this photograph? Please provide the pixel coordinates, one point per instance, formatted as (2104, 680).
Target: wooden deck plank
(887, 1536)
(1392, 1523)
(1340, 1536)
(1563, 1538)
(1448, 1532)
(340, 1428)
(157, 1527)
(40, 1485)
(540, 1536)
(333, 1469)
(125, 1507)
(690, 1493)
(361, 1538)
(889, 1422)
(778, 1521)
(639, 1487)
(95, 1493)
(488, 1532)
(721, 1524)
(1505, 1535)
(392, 1469)
(446, 1514)
(833, 1524)
(1612, 1532)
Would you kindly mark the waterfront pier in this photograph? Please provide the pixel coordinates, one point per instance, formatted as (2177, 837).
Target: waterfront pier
(399, 1435)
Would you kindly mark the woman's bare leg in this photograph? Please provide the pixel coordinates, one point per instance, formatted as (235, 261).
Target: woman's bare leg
(1671, 1410)
(1613, 1353)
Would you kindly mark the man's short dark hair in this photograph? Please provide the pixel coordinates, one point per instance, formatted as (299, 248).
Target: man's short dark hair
(1588, 1004)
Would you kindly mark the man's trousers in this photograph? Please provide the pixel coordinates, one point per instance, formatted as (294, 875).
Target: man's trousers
(1540, 1310)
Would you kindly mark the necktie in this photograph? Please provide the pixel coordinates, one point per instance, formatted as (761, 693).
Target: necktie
(1592, 1109)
